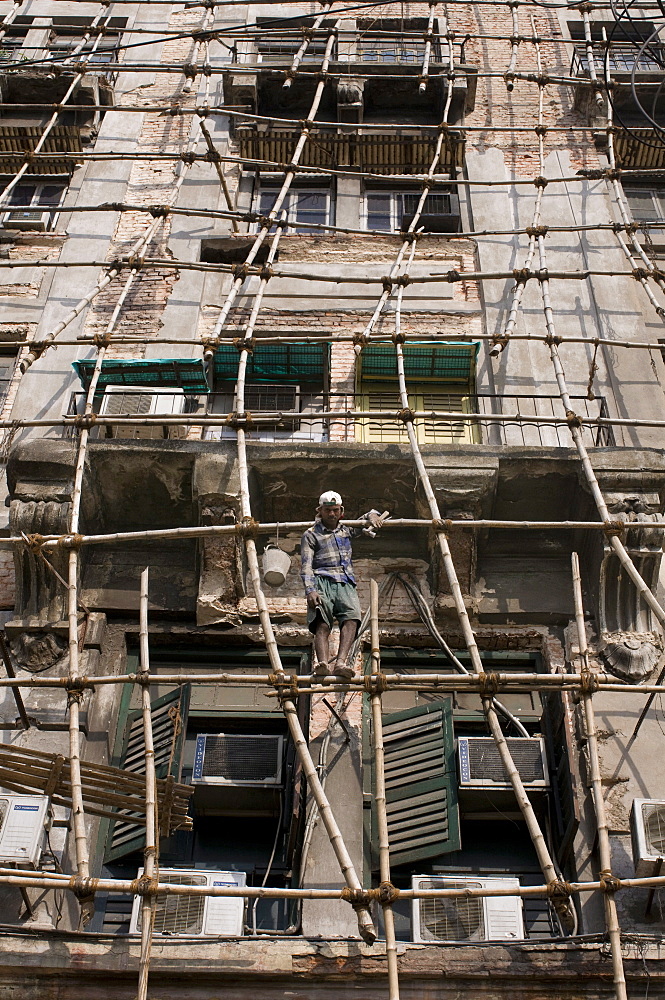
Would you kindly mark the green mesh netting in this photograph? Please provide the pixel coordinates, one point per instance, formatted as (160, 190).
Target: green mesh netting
(176, 373)
(274, 363)
(452, 361)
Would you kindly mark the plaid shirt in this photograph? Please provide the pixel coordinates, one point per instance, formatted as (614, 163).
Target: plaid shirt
(327, 553)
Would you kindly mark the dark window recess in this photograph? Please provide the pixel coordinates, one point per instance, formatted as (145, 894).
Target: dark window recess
(565, 810)
(232, 250)
(628, 50)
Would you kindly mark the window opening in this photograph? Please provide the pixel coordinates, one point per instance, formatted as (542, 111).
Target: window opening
(41, 197)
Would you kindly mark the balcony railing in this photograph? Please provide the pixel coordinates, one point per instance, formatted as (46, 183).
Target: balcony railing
(442, 418)
(624, 57)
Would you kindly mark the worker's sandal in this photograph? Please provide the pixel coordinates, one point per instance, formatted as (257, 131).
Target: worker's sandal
(345, 671)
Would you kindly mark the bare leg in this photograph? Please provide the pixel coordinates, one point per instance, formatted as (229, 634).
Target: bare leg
(321, 636)
(347, 633)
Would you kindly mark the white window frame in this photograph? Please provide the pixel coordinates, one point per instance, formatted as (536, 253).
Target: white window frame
(396, 213)
(290, 202)
(657, 193)
(49, 213)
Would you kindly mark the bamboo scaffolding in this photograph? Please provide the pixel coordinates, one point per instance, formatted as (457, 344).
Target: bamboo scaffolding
(365, 924)
(380, 795)
(305, 684)
(52, 880)
(609, 902)
(103, 13)
(150, 854)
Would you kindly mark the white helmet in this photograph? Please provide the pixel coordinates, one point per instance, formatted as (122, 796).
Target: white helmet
(330, 499)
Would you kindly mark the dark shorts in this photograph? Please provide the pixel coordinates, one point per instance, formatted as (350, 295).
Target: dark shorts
(338, 601)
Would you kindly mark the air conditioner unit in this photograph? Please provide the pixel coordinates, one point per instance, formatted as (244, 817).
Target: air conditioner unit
(480, 765)
(143, 401)
(23, 820)
(195, 916)
(238, 760)
(647, 831)
(35, 220)
(471, 918)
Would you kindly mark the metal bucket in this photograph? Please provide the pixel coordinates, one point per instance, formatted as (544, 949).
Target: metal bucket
(276, 564)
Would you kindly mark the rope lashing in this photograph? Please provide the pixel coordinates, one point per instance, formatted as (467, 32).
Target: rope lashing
(521, 275)
(376, 683)
(387, 893)
(248, 528)
(399, 337)
(573, 419)
(101, 340)
(245, 344)
(537, 230)
(74, 541)
(613, 528)
(442, 525)
(84, 888)
(609, 882)
(488, 684)
(84, 421)
(359, 341)
(34, 542)
(559, 890)
(144, 886)
(589, 683)
(406, 415)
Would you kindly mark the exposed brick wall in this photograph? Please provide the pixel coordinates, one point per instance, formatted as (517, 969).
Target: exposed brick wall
(7, 579)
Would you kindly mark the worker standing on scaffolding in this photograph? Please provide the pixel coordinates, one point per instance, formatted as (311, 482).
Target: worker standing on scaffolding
(330, 586)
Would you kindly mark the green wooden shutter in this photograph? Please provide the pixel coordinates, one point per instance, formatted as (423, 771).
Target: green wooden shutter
(421, 783)
(169, 720)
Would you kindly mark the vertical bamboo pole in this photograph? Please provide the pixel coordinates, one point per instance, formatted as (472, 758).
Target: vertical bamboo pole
(150, 852)
(380, 794)
(609, 902)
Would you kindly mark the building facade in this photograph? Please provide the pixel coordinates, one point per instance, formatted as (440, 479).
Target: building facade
(410, 252)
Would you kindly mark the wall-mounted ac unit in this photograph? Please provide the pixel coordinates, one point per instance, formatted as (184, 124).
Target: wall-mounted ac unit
(195, 916)
(480, 765)
(647, 831)
(143, 401)
(23, 821)
(470, 918)
(238, 760)
(36, 221)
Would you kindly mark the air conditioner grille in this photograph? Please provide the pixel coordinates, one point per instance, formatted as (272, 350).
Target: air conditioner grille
(485, 762)
(654, 828)
(4, 809)
(241, 758)
(179, 914)
(127, 402)
(452, 919)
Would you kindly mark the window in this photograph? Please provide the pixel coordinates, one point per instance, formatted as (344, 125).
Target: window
(439, 379)
(451, 810)
(38, 198)
(393, 211)
(246, 785)
(281, 379)
(8, 359)
(625, 50)
(302, 204)
(647, 204)
(391, 50)
(66, 39)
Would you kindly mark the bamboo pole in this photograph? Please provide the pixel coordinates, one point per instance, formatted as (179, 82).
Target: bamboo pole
(380, 796)
(53, 880)
(609, 902)
(150, 863)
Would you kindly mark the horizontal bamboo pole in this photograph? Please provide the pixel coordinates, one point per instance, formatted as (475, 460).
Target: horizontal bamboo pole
(511, 682)
(53, 880)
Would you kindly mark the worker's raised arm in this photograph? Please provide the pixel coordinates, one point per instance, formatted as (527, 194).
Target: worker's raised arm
(306, 562)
